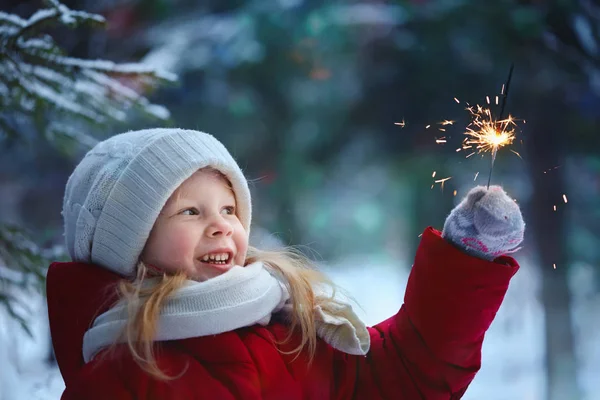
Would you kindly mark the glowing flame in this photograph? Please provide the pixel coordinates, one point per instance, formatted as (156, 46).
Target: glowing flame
(487, 134)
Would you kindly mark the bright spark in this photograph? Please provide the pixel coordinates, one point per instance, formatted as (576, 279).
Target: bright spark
(476, 175)
(401, 124)
(442, 181)
(456, 100)
(554, 266)
(428, 126)
(447, 122)
(487, 98)
(433, 175)
(554, 207)
(486, 133)
(455, 193)
(440, 140)
(565, 198)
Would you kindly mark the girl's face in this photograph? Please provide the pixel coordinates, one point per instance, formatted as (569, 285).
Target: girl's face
(197, 230)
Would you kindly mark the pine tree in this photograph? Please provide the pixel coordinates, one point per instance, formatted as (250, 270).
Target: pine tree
(44, 90)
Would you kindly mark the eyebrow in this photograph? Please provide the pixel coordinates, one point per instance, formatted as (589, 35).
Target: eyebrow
(180, 197)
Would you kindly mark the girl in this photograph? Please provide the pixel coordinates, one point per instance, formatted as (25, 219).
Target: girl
(163, 216)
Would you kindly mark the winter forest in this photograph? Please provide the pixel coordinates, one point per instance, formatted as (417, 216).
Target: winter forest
(349, 119)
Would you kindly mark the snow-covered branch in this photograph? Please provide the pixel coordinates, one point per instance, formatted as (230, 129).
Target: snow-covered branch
(36, 75)
(22, 264)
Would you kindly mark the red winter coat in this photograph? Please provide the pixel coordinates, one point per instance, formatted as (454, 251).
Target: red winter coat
(431, 349)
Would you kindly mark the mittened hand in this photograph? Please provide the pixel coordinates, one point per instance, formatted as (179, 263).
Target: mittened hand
(487, 223)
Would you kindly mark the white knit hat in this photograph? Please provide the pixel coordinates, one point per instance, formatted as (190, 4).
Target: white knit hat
(115, 194)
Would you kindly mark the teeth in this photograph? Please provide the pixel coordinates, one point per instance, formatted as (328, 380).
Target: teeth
(216, 257)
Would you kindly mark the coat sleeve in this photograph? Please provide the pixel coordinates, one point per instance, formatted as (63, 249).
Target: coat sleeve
(431, 349)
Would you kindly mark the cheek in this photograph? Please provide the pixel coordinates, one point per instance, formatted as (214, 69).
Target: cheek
(171, 246)
(241, 244)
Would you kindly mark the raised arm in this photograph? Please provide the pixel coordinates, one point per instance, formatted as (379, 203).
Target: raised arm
(431, 349)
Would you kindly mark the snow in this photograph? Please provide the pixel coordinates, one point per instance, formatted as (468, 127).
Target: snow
(86, 88)
(586, 303)
(513, 351)
(6, 30)
(58, 100)
(157, 111)
(44, 43)
(74, 132)
(12, 19)
(127, 95)
(109, 66)
(67, 16)
(40, 15)
(25, 373)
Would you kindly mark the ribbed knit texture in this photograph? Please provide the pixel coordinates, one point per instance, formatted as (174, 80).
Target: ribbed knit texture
(244, 296)
(486, 223)
(117, 191)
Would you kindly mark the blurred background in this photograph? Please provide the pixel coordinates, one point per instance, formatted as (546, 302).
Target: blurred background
(343, 114)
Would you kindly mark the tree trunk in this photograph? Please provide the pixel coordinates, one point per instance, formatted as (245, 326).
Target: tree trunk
(544, 149)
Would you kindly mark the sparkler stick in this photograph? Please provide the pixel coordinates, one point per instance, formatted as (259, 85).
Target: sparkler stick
(504, 96)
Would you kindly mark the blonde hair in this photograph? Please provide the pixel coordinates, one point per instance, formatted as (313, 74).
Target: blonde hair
(145, 298)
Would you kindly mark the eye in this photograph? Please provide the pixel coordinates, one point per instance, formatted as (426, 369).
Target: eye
(190, 211)
(229, 210)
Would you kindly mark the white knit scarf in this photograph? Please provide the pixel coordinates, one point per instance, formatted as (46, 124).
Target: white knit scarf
(243, 296)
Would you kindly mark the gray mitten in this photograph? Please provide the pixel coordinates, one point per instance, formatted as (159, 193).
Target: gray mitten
(487, 223)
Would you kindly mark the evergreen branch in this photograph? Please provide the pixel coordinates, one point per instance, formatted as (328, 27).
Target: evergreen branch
(86, 92)
(35, 73)
(11, 20)
(17, 249)
(96, 69)
(45, 93)
(14, 242)
(9, 302)
(128, 95)
(131, 69)
(59, 14)
(56, 130)
(39, 44)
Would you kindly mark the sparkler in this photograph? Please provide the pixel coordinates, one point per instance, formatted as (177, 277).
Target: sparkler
(486, 133)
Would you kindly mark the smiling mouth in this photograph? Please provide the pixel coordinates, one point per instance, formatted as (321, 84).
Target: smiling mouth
(220, 258)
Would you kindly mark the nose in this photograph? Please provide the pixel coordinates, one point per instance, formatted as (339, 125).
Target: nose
(219, 227)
